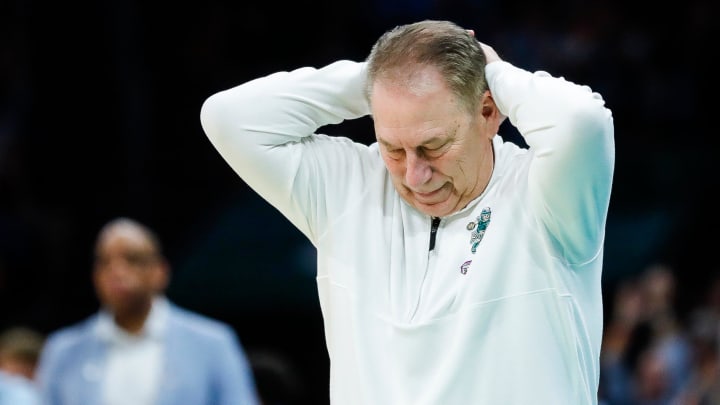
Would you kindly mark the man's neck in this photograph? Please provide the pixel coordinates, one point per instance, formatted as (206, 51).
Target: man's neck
(133, 322)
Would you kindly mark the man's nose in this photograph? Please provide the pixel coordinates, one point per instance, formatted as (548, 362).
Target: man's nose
(418, 171)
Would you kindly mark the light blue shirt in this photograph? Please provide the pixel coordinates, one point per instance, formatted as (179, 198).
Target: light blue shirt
(17, 391)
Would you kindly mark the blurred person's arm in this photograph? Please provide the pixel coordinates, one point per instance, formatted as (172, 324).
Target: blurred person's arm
(234, 381)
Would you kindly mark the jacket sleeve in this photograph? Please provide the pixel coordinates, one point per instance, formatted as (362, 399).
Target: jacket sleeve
(234, 381)
(265, 130)
(48, 368)
(570, 135)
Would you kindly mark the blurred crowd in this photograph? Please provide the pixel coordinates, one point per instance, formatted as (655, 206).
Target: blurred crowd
(652, 354)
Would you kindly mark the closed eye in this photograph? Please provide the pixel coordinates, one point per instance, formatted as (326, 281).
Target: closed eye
(395, 154)
(434, 152)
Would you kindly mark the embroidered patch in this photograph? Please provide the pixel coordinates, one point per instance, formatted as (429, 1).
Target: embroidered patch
(483, 220)
(464, 267)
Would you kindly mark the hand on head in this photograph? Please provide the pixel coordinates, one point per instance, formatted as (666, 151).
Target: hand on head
(490, 54)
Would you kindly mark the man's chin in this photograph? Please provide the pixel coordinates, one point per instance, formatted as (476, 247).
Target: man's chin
(439, 209)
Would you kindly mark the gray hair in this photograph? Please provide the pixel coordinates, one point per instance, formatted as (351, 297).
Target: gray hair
(453, 50)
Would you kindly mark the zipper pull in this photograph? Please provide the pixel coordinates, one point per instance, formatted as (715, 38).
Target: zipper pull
(433, 231)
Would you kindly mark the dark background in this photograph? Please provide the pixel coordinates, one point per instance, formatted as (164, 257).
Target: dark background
(99, 117)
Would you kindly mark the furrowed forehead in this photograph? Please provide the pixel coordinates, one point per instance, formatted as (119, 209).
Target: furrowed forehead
(392, 138)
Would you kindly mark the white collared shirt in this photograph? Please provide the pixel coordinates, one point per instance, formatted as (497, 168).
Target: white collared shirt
(134, 364)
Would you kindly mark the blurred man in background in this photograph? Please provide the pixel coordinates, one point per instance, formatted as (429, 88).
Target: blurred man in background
(17, 390)
(140, 348)
(20, 349)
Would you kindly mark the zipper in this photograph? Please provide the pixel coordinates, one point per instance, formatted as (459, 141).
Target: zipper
(433, 231)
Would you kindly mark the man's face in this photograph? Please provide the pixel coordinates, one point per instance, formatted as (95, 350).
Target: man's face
(438, 154)
(17, 365)
(128, 272)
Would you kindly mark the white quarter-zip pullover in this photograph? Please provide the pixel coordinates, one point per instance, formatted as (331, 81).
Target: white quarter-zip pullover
(506, 308)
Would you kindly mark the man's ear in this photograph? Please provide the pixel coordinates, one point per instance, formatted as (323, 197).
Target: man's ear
(488, 107)
(490, 111)
(162, 275)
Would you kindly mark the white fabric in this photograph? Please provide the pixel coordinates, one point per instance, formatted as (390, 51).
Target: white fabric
(517, 322)
(134, 360)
